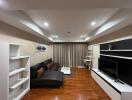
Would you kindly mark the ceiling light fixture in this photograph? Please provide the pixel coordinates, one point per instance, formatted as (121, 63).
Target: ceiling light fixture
(93, 24)
(82, 36)
(54, 36)
(50, 38)
(46, 24)
(87, 38)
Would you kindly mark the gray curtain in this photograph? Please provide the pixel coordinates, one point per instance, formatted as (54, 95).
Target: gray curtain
(69, 54)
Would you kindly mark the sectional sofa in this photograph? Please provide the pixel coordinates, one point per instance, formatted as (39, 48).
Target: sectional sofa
(46, 73)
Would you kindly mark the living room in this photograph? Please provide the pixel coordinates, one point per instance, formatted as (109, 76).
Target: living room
(65, 50)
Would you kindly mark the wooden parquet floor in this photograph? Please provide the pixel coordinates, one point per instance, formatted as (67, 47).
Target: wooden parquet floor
(78, 86)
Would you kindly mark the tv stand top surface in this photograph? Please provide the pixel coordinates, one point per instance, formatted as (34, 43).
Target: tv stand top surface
(119, 86)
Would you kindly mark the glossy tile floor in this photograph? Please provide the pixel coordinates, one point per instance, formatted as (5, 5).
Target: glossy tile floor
(78, 86)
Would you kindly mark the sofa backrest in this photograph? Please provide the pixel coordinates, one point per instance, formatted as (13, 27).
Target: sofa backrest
(35, 68)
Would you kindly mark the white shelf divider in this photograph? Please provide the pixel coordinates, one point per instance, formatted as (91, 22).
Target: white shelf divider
(116, 56)
(16, 44)
(116, 50)
(86, 60)
(21, 81)
(21, 95)
(16, 71)
(18, 57)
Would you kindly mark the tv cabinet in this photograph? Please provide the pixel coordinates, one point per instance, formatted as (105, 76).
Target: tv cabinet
(118, 50)
(14, 72)
(115, 90)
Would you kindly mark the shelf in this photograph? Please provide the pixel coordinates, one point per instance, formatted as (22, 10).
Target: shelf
(88, 56)
(119, 86)
(86, 60)
(16, 44)
(116, 50)
(116, 56)
(22, 94)
(16, 71)
(20, 82)
(18, 57)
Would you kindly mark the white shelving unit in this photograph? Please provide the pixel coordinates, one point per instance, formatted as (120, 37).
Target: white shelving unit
(88, 59)
(116, 50)
(19, 72)
(18, 57)
(116, 56)
(15, 72)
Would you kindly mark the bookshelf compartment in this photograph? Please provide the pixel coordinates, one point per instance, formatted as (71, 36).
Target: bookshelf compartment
(19, 63)
(19, 92)
(14, 50)
(16, 78)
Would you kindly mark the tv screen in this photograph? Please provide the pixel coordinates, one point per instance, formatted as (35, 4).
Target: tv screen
(125, 71)
(109, 67)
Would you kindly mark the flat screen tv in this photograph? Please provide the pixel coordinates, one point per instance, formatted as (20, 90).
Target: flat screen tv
(125, 70)
(109, 67)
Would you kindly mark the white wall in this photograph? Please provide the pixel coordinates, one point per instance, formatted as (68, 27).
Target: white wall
(13, 35)
(96, 54)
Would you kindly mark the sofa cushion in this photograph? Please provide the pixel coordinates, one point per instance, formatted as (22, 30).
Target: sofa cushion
(55, 66)
(52, 75)
(50, 78)
(49, 65)
(34, 69)
(40, 72)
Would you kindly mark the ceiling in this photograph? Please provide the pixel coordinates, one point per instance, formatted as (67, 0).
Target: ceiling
(68, 20)
(64, 4)
(77, 22)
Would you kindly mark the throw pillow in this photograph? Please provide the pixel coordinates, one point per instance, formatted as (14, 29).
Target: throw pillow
(49, 65)
(40, 72)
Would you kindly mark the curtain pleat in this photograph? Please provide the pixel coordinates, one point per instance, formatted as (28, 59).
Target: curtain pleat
(69, 54)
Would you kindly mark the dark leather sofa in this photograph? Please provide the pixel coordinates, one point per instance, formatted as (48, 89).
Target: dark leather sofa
(51, 75)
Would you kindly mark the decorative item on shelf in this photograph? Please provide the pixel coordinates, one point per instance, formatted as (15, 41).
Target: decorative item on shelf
(110, 47)
(40, 48)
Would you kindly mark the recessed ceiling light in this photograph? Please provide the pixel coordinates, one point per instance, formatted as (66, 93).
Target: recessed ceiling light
(54, 36)
(93, 24)
(50, 38)
(46, 24)
(82, 36)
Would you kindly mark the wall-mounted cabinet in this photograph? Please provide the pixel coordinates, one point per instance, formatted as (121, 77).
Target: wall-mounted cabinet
(15, 71)
(118, 45)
